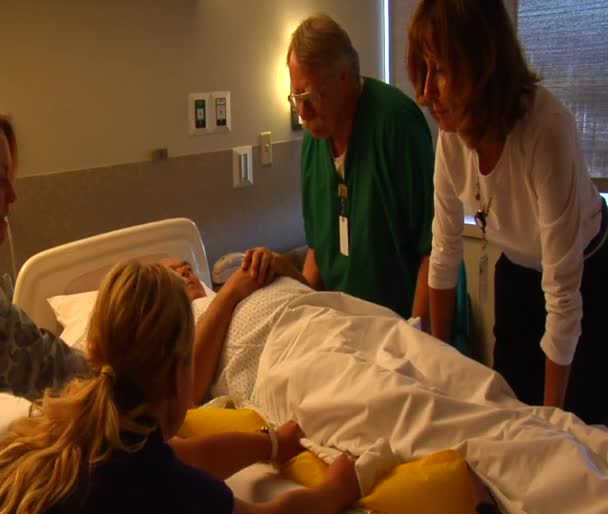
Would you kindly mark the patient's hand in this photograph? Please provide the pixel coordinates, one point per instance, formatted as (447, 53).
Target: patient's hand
(263, 263)
(257, 262)
(288, 439)
(281, 265)
(240, 285)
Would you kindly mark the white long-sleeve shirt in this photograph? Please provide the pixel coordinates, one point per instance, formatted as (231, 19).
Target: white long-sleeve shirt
(544, 211)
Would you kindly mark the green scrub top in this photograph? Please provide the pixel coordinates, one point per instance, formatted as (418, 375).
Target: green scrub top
(389, 175)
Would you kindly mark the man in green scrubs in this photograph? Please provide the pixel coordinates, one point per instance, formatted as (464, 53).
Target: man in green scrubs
(367, 174)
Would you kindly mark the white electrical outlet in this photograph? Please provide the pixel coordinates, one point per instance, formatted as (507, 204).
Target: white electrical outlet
(242, 166)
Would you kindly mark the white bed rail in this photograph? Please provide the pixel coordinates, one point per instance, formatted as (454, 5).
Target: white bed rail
(79, 266)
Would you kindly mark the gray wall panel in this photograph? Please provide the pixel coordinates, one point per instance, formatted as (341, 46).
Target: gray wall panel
(58, 208)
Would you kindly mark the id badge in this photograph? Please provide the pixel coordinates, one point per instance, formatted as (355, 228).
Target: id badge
(483, 274)
(344, 247)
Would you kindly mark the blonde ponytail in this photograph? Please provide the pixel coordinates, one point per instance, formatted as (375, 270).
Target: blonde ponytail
(44, 458)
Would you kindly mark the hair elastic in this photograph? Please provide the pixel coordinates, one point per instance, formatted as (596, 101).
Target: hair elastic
(106, 369)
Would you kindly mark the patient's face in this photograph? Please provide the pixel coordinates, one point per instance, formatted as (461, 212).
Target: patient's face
(7, 193)
(194, 288)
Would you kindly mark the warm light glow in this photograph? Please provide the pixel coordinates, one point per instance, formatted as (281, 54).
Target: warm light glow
(281, 76)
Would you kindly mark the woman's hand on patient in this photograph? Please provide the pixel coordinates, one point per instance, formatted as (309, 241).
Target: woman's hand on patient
(283, 266)
(258, 263)
(288, 439)
(264, 265)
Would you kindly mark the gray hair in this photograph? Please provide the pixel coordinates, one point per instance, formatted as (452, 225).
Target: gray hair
(320, 42)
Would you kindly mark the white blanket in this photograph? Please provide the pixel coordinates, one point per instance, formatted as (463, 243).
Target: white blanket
(351, 372)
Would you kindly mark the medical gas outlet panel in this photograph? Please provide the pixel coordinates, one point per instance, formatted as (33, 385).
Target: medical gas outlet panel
(209, 113)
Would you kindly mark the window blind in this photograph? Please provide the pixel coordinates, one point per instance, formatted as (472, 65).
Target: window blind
(567, 44)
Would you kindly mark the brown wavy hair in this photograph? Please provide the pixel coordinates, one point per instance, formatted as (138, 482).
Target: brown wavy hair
(142, 327)
(489, 82)
(7, 129)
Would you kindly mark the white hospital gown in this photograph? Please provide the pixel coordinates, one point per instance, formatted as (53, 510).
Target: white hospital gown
(251, 323)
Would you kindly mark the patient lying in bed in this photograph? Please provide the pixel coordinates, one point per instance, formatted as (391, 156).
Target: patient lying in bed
(355, 375)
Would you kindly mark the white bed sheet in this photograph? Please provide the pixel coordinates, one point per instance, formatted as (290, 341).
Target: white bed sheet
(351, 372)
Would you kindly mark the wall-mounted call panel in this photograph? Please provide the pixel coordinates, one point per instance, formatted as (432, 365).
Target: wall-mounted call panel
(209, 113)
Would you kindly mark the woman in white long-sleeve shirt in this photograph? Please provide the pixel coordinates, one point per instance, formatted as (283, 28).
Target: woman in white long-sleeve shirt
(509, 150)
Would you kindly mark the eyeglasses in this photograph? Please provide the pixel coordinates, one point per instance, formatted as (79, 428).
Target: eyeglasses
(297, 99)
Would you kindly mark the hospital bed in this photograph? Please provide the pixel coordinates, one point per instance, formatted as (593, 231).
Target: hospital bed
(78, 267)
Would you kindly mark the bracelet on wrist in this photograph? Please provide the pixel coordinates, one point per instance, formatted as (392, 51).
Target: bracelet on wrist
(274, 442)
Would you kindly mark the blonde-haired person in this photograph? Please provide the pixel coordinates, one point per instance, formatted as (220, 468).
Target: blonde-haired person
(31, 359)
(101, 446)
(367, 166)
(510, 150)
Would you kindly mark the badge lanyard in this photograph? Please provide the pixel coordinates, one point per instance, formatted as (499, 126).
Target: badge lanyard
(343, 220)
(481, 220)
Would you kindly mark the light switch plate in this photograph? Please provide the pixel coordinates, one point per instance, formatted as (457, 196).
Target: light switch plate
(209, 113)
(266, 148)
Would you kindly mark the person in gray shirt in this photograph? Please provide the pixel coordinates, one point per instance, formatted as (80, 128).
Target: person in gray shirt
(31, 359)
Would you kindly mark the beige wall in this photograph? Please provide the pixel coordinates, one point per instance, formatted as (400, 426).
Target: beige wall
(95, 83)
(62, 207)
(93, 86)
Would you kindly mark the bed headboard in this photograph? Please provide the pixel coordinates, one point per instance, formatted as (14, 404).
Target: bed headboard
(80, 265)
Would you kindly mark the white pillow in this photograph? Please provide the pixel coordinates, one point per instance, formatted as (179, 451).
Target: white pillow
(12, 408)
(73, 312)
